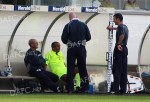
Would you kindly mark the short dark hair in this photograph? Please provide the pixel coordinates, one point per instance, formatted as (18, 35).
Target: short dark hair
(54, 43)
(118, 16)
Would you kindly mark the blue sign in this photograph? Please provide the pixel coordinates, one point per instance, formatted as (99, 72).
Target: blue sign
(22, 8)
(89, 9)
(56, 9)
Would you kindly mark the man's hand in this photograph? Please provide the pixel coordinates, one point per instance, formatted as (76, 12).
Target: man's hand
(119, 47)
(76, 70)
(109, 28)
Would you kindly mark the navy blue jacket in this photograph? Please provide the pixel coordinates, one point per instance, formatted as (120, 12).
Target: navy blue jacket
(75, 31)
(34, 59)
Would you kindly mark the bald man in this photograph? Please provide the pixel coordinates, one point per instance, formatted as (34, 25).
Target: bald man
(75, 35)
(36, 64)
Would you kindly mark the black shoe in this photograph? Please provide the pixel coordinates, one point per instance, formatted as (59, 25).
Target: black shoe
(115, 93)
(78, 90)
(122, 92)
(119, 93)
(70, 92)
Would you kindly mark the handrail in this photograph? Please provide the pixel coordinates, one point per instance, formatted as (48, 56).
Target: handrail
(13, 35)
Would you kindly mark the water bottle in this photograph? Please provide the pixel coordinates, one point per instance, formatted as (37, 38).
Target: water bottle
(91, 88)
(3, 73)
(8, 70)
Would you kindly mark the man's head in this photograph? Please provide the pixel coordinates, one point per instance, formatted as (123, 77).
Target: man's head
(72, 15)
(131, 1)
(118, 18)
(33, 44)
(55, 46)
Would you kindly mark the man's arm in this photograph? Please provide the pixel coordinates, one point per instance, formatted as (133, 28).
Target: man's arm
(63, 59)
(47, 58)
(35, 59)
(64, 36)
(88, 35)
(121, 37)
(111, 28)
(26, 62)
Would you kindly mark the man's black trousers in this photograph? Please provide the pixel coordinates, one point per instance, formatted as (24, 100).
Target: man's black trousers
(120, 70)
(47, 79)
(77, 53)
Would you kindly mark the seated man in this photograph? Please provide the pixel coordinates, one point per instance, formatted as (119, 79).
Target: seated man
(36, 64)
(96, 3)
(56, 63)
(131, 5)
(106, 3)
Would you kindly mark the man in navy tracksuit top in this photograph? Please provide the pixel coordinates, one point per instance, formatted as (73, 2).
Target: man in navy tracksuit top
(120, 55)
(75, 35)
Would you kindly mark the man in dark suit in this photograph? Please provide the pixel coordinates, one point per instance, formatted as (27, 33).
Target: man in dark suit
(75, 35)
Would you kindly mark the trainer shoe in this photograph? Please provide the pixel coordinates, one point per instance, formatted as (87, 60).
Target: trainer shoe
(60, 89)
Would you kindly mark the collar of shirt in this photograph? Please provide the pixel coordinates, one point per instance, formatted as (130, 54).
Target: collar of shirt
(55, 52)
(75, 19)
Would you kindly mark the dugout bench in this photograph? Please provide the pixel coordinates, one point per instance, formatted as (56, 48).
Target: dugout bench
(8, 83)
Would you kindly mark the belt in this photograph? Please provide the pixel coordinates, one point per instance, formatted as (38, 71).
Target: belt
(121, 44)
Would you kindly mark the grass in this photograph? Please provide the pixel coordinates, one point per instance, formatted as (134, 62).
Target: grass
(72, 98)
